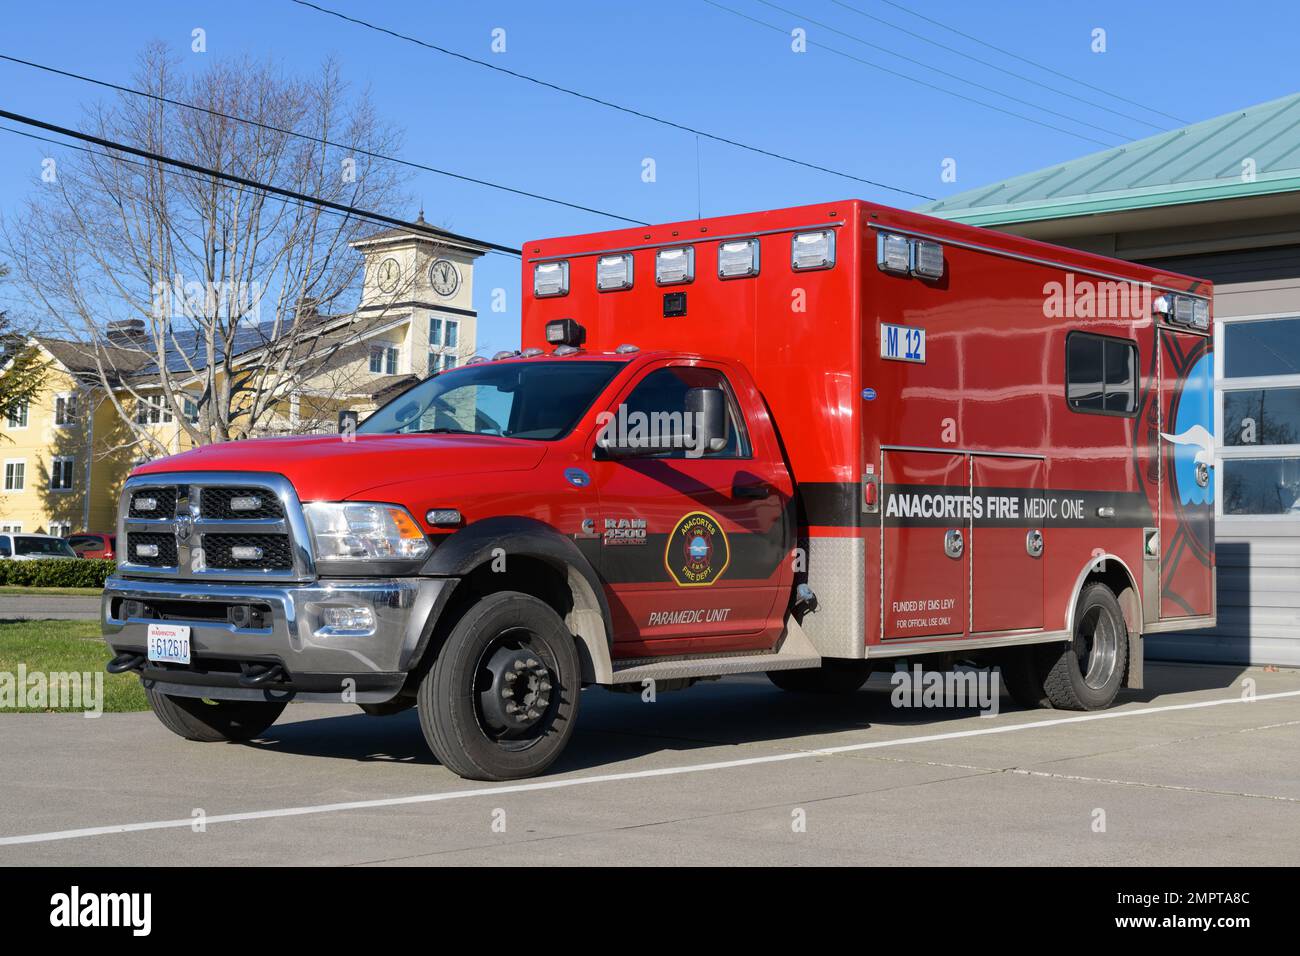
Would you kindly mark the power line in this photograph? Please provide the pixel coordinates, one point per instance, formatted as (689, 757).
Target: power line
(378, 217)
(144, 165)
(1022, 59)
(952, 76)
(993, 66)
(606, 103)
(907, 76)
(315, 139)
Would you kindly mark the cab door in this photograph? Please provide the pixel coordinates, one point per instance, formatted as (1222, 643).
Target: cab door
(694, 550)
(926, 544)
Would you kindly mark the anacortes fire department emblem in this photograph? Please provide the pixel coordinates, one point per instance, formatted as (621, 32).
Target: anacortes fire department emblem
(697, 551)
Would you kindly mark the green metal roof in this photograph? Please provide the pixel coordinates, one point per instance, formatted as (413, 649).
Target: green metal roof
(1197, 163)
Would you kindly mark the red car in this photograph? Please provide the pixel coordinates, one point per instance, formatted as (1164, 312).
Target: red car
(92, 545)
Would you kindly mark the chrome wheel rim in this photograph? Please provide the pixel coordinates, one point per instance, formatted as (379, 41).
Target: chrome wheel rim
(1096, 647)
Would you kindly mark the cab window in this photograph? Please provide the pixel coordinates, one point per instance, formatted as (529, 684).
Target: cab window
(663, 392)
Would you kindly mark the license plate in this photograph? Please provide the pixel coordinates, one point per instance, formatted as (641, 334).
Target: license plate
(169, 643)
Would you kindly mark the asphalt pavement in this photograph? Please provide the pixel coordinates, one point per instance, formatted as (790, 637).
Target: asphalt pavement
(1203, 767)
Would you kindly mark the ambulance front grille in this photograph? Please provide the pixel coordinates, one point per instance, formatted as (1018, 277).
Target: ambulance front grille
(213, 526)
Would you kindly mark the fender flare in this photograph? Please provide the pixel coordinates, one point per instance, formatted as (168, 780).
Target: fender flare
(590, 620)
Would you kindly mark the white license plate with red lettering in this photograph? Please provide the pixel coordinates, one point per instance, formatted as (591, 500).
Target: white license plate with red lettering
(169, 643)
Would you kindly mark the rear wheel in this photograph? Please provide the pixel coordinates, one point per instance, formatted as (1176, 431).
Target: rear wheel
(502, 696)
(1088, 671)
(1023, 669)
(833, 677)
(209, 721)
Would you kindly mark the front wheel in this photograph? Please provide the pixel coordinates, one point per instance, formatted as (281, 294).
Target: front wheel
(213, 720)
(502, 696)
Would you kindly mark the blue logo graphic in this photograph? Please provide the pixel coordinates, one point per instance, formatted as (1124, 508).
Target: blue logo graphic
(577, 477)
(1193, 435)
(699, 548)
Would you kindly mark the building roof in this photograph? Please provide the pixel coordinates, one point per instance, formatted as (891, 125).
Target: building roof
(332, 338)
(1202, 162)
(434, 235)
(78, 357)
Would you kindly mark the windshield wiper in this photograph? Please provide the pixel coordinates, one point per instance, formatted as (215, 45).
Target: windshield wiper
(442, 430)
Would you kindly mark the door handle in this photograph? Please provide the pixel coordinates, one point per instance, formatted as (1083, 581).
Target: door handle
(760, 490)
(953, 543)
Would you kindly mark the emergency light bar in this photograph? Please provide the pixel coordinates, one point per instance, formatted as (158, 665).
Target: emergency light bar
(903, 256)
(812, 250)
(614, 273)
(893, 253)
(927, 259)
(550, 279)
(738, 259)
(675, 266)
(1188, 310)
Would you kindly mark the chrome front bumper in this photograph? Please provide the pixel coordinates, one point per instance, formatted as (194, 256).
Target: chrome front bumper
(319, 662)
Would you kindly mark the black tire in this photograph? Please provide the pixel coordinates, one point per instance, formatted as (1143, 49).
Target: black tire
(211, 721)
(833, 677)
(1088, 671)
(1023, 670)
(459, 700)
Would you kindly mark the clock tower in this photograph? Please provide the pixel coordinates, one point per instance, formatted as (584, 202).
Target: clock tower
(424, 285)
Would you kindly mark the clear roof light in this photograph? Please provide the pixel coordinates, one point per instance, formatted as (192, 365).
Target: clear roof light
(614, 272)
(675, 266)
(893, 253)
(550, 279)
(738, 259)
(812, 250)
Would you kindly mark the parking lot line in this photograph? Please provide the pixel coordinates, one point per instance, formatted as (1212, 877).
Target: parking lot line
(536, 785)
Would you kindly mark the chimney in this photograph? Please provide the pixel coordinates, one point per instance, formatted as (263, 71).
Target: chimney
(127, 332)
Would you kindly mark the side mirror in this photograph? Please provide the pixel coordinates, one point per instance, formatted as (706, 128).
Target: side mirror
(700, 427)
(706, 413)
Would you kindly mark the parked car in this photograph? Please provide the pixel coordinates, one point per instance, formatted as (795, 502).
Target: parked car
(30, 547)
(89, 544)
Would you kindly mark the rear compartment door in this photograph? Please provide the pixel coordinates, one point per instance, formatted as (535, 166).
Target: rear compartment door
(1007, 543)
(1186, 475)
(926, 527)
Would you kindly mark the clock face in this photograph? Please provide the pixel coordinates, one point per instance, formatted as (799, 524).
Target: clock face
(444, 278)
(389, 274)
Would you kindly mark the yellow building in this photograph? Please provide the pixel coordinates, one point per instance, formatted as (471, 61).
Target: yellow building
(67, 451)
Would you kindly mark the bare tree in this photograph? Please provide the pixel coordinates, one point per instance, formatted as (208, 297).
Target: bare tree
(22, 371)
(191, 290)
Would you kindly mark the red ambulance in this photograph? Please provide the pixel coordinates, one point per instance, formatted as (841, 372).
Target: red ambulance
(807, 442)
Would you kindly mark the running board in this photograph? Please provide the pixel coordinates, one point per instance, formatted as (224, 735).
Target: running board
(794, 651)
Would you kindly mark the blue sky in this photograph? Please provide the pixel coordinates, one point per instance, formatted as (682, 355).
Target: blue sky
(697, 64)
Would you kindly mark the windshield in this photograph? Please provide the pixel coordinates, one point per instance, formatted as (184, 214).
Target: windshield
(538, 400)
(55, 547)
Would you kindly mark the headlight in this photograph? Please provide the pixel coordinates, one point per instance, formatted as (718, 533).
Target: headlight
(348, 531)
